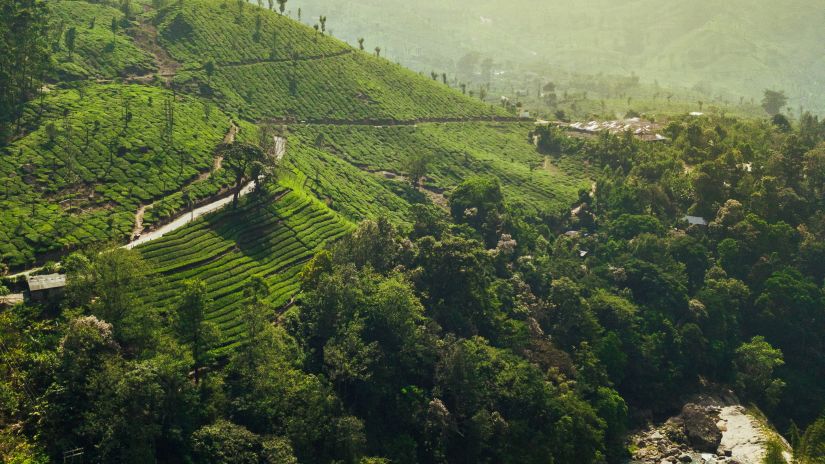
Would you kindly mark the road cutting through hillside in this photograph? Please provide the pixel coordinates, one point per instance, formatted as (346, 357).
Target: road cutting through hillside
(188, 216)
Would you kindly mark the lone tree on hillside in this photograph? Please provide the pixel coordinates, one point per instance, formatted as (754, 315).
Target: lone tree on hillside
(209, 67)
(323, 21)
(282, 6)
(191, 325)
(774, 101)
(71, 35)
(361, 43)
(113, 26)
(377, 51)
(417, 166)
(240, 158)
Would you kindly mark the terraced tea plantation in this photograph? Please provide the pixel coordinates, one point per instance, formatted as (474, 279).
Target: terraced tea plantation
(352, 87)
(457, 151)
(99, 51)
(93, 155)
(355, 193)
(270, 238)
(196, 31)
(262, 65)
(98, 153)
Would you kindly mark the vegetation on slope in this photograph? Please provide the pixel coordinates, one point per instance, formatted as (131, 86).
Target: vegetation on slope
(266, 238)
(502, 328)
(93, 155)
(99, 46)
(262, 65)
(456, 151)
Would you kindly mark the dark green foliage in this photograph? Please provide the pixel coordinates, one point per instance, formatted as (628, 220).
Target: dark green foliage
(479, 202)
(628, 226)
(774, 102)
(191, 325)
(454, 400)
(811, 448)
(226, 442)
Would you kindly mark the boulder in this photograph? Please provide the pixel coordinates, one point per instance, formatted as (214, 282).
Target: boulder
(700, 428)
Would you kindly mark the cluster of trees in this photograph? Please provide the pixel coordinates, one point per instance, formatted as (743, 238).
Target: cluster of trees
(741, 299)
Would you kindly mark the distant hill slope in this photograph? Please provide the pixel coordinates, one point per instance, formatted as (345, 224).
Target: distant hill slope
(736, 46)
(268, 66)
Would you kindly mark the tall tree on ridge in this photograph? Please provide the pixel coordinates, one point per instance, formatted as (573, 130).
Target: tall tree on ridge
(192, 327)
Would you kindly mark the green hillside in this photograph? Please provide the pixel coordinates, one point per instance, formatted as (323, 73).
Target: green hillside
(230, 237)
(93, 156)
(270, 240)
(458, 151)
(268, 66)
(99, 52)
(97, 161)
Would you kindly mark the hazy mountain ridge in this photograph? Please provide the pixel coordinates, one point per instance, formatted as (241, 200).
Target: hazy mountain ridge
(733, 47)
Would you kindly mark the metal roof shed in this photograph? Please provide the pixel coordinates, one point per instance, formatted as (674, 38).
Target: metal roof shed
(49, 287)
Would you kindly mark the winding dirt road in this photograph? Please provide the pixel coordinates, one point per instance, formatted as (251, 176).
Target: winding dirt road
(188, 216)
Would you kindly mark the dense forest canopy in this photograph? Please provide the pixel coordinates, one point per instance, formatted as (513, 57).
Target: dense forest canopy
(363, 265)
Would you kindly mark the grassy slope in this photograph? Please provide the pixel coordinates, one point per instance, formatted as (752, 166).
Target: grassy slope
(84, 185)
(299, 73)
(98, 52)
(271, 239)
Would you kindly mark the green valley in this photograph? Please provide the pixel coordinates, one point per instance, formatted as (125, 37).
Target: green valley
(227, 236)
